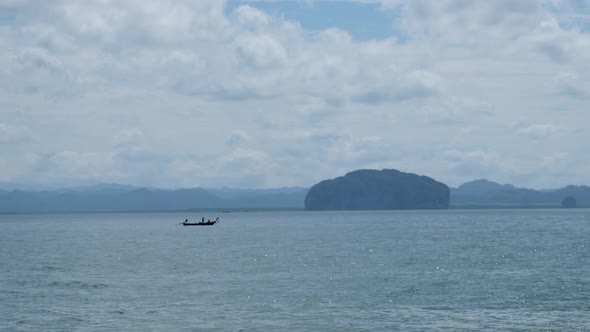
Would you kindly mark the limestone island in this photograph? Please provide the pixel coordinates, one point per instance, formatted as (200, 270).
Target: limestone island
(388, 189)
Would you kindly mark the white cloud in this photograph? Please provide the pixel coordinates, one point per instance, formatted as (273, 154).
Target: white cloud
(151, 89)
(132, 23)
(237, 138)
(455, 110)
(10, 134)
(469, 22)
(261, 51)
(76, 167)
(17, 166)
(570, 85)
(128, 137)
(251, 18)
(537, 131)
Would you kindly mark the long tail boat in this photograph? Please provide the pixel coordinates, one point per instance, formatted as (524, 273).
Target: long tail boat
(201, 223)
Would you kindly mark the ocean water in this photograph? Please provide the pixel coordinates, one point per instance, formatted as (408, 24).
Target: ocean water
(297, 271)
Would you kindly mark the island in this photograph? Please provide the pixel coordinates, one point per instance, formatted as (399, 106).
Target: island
(387, 189)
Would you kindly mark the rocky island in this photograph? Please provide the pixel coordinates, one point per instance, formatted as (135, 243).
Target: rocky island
(388, 189)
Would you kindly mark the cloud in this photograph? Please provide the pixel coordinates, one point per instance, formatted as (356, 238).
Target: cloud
(537, 131)
(18, 167)
(185, 93)
(128, 137)
(34, 70)
(56, 169)
(455, 110)
(261, 51)
(570, 85)
(137, 23)
(468, 22)
(549, 40)
(416, 84)
(237, 138)
(251, 18)
(473, 164)
(10, 134)
(251, 55)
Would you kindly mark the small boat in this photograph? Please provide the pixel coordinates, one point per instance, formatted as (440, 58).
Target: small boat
(201, 223)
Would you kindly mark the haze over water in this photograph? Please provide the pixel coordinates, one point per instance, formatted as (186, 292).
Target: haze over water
(297, 271)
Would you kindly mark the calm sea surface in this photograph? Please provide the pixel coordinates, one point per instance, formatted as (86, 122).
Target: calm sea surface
(297, 271)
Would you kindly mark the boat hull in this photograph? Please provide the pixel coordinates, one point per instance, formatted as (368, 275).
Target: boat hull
(200, 223)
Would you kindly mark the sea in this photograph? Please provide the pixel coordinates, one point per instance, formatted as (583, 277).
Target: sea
(452, 270)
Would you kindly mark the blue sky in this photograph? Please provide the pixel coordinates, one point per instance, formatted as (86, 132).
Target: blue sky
(264, 94)
(364, 21)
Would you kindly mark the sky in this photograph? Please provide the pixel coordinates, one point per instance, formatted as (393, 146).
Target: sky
(264, 94)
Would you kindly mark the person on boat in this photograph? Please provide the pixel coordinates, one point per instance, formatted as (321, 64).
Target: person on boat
(203, 219)
(185, 220)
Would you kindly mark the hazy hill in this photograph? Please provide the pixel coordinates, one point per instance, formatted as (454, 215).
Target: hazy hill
(488, 193)
(119, 198)
(387, 189)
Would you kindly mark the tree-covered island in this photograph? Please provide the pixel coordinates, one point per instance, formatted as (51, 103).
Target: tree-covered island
(388, 189)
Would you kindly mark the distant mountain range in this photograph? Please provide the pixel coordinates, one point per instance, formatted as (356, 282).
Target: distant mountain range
(123, 198)
(487, 193)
